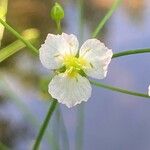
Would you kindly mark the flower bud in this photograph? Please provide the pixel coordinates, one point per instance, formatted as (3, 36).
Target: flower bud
(57, 12)
(31, 34)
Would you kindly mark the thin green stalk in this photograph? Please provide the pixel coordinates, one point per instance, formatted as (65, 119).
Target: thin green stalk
(16, 34)
(80, 127)
(59, 130)
(44, 125)
(131, 52)
(58, 24)
(64, 135)
(81, 20)
(119, 89)
(55, 124)
(106, 17)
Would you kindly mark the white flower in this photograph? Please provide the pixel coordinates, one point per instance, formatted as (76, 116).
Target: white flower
(70, 85)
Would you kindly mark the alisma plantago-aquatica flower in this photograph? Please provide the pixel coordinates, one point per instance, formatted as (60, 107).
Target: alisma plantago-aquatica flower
(70, 85)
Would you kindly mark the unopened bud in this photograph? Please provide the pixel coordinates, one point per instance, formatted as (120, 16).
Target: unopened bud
(57, 12)
(31, 34)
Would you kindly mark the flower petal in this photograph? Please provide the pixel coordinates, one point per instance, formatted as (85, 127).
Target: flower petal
(72, 41)
(70, 91)
(50, 51)
(98, 57)
(55, 48)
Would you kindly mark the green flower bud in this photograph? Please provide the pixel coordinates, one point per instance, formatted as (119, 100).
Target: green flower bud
(31, 34)
(57, 12)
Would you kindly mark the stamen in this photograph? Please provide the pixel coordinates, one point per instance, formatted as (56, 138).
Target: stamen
(57, 55)
(74, 65)
(91, 65)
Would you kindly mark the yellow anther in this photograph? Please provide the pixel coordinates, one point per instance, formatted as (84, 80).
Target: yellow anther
(74, 65)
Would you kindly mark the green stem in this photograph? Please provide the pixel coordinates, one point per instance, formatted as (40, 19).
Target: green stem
(16, 34)
(64, 135)
(119, 89)
(106, 17)
(81, 20)
(56, 126)
(131, 52)
(58, 24)
(80, 128)
(44, 125)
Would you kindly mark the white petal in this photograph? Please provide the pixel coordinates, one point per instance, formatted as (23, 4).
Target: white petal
(149, 90)
(72, 41)
(70, 91)
(50, 51)
(98, 57)
(55, 47)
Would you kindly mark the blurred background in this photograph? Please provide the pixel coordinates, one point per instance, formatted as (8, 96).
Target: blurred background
(109, 120)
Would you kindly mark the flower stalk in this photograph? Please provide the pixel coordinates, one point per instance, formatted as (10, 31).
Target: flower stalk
(106, 17)
(119, 89)
(131, 52)
(44, 125)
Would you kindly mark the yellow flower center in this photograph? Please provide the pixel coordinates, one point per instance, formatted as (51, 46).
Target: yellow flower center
(74, 65)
